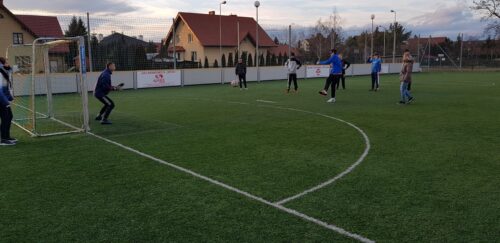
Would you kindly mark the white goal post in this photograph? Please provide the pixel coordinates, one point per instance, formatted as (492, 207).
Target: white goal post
(50, 86)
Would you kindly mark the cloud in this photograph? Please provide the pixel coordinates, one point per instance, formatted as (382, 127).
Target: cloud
(447, 21)
(76, 6)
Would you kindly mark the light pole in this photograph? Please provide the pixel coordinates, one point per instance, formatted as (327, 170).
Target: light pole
(373, 18)
(220, 40)
(257, 5)
(394, 44)
(385, 30)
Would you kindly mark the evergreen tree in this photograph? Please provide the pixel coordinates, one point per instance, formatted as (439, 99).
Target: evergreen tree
(223, 61)
(262, 61)
(280, 59)
(75, 28)
(268, 59)
(274, 61)
(250, 60)
(206, 63)
(216, 64)
(230, 60)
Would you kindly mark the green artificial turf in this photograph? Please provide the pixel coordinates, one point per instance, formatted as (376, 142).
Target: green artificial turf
(432, 174)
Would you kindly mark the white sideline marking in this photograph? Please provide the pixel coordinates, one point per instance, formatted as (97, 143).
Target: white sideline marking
(246, 194)
(266, 101)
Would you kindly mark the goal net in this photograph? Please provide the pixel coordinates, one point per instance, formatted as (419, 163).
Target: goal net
(49, 86)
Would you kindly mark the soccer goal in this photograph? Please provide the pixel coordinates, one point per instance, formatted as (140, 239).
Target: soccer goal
(49, 86)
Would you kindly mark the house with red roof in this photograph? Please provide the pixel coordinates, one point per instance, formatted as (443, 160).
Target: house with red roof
(197, 36)
(19, 30)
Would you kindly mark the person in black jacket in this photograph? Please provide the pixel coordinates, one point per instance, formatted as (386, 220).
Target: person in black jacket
(241, 72)
(6, 98)
(345, 65)
(102, 89)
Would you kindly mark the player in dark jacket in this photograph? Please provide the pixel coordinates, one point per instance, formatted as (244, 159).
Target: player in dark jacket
(102, 89)
(5, 102)
(345, 66)
(241, 72)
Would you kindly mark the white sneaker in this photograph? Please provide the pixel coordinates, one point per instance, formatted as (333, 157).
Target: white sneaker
(332, 100)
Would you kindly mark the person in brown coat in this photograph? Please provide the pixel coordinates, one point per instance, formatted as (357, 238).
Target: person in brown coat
(405, 78)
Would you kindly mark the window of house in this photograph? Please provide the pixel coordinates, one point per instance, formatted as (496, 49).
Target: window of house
(178, 56)
(194, 56)
(190, 38)
(18, 39)
(23, 63)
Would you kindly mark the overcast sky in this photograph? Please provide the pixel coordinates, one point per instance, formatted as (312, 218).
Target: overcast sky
(436, 17)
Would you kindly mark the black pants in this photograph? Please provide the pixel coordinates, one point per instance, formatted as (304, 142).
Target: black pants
(342, 79)
(6, 116)
(243, 80)
(375, 81)
(292, 77)
(332, 81)
(107, 108)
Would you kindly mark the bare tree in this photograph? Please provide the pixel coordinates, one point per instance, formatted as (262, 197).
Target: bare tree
(490, 9)
(334, 28)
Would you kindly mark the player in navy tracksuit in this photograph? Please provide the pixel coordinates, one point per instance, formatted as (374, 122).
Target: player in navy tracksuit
(335, 74)
(102, 89)
(5, 99)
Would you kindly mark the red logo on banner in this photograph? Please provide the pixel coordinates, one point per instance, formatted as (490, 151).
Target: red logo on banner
(159, 79)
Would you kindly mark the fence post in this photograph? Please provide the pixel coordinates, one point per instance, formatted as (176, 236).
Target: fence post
(91, 66)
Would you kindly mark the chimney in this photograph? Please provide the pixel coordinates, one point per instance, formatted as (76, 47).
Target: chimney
(209, 13)
(141, 37)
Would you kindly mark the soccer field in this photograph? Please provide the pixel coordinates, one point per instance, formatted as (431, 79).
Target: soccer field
(424, 172)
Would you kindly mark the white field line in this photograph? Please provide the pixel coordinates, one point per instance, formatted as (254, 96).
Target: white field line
(143, 132)
(266, 101)
(236, 190)
(337, 177)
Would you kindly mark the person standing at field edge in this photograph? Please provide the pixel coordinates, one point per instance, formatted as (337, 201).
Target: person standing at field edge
(345, 66)
(376, 69)
(241, 72)
(292, 65)
(405, 78)
(6, 98)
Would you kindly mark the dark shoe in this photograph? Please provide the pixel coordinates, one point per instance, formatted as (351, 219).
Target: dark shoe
(411, 99)
(12, 140)
(5, 142)
(106, 122)
(98, 118)
(402, 103)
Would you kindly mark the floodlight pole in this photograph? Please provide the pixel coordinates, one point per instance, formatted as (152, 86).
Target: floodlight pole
(174, 42)
(257, 5)
(394, 44)
(461, 49)
(373, 18)
(220, 41)
(385, 30)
